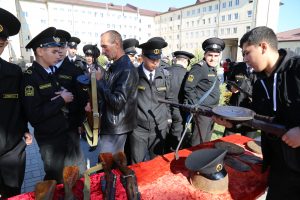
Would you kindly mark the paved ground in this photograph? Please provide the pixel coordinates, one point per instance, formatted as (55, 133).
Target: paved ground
(34, 171)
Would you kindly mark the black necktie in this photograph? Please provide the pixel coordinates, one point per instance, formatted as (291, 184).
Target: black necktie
(151, 79)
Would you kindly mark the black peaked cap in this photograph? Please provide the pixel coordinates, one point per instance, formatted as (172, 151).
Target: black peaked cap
(9, 24)
(213, 44)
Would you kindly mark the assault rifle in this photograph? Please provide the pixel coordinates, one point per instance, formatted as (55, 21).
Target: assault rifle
(108, 182)
(45, 190)
(128, 178)
(70, 177)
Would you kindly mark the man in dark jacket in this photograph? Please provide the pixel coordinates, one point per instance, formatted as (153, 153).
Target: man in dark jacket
(129, 49)
(118, 91)
(13, 125)
(148, 139)
(276, 93)
(178, 73)
(240, 81)
(201, 81)
(45, 105)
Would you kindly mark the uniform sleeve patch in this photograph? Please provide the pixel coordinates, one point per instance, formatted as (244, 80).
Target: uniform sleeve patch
(141, 87)
(65, 77)
(190, 78)
(44, 86)
(211, 75)
(29, 91)
(161, 89)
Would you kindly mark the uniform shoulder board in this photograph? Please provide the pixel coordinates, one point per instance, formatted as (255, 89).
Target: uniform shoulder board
(201, 63)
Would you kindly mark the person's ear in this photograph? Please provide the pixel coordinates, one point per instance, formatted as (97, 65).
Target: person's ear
(264, 46)
(39, 51)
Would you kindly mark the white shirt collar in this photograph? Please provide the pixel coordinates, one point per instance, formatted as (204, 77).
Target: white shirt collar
(48, 70)
(147, 72)
(59, 64)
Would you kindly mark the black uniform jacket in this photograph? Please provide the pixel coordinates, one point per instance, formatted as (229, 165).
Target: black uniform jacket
(177, 74)
(284, 106)
(12, 122)
(67, 75)
(151, 113)
(118, 90)
(200, 79)
(44, 113)
(245, 80)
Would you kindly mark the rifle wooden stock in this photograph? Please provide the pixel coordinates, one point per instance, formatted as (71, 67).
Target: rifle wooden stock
(260, 122)
(45, 190)
(128, 177)
(109, 184)
(70, 176)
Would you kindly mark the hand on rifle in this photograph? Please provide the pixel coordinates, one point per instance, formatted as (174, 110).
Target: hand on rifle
(99, 74)
(28, 138)
(222, 121)
(88, 107)
(292, 137)
(67, 96)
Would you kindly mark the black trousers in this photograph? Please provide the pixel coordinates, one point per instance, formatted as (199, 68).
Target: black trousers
(59, 152)
(206, 126)
(147, 144)
(12, 170)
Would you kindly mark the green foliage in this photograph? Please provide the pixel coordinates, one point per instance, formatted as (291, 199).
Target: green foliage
(102, 60)
(198, 56)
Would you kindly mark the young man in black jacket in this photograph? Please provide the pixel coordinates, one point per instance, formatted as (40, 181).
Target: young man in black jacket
(276, 93)
(13, 125)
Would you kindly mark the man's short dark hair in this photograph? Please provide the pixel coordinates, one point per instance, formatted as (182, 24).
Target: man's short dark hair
(258, 35)
(115, 36)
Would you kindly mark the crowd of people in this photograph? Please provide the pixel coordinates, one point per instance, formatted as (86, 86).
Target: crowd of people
(52, 96)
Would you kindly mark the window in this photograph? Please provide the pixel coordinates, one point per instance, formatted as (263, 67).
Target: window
(209, 20)
(188, 13)
(178, 17)
(198, 21)
(229, 17)
(248, 28)
(217, 7)
(178, 27)
(223, 18)
(199, 10)
(203, 21)
(192, 23)
(187, 24)
(193, 12)
(204, 9)
(237, 2)
(177, 36)
(171, 19)
(149, 25)
(170, 28)
(236, 15)
(222, 31)
(227, 31)
(215, 19)
(297, 50)
(235, 30)
(249, 13)
(224, 5)
(209, 8)
(230, 4)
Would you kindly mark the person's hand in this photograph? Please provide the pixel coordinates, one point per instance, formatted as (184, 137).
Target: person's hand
(99, 74)
(234, 90)
(88, 107)
(222, 121)
(67, 96)
(28, 138)
(292, 137)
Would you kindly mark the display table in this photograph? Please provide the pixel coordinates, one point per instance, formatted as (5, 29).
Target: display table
(167, 178)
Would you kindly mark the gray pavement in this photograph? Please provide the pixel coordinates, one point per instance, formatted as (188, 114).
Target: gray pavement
(34, 171)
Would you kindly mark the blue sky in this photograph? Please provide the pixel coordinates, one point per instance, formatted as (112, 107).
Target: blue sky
(287, 17)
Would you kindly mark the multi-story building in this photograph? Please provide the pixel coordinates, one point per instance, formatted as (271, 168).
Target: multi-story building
(186, 28)
(290, 40)
(183, 28)
(83, 19)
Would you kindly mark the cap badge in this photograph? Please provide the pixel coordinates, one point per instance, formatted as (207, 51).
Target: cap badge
(89, 51)
(219, 167)
(73, 43)
(1, 28)
(56, 39)
(156, 51)
(214, 46)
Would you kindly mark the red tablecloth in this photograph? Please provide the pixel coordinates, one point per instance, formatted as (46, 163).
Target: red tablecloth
(167, 178)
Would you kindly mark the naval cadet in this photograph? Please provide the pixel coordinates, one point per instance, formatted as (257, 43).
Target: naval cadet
(129, 49)
(202, 86)
(91, 53)
(14, 134)
(72, 52)
(148, 139)
(44, 102)
(178, 73)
